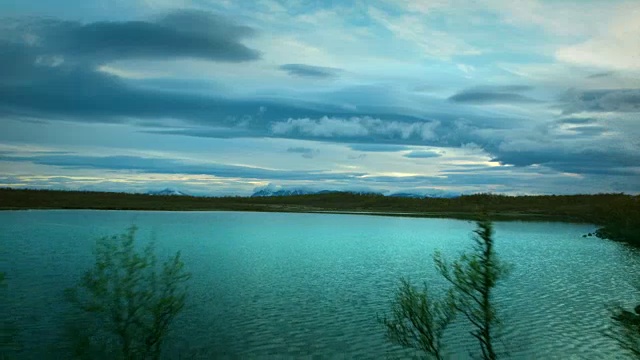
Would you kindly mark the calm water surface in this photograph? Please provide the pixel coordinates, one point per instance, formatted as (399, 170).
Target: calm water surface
(280, 285)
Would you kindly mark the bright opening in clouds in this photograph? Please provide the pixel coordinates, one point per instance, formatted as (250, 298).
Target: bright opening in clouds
(224, 97)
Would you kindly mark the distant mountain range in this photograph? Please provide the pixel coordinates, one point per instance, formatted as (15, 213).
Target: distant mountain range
(422, 195)
(292, 192)
(282, 191)
(167, 192)
(270, 191)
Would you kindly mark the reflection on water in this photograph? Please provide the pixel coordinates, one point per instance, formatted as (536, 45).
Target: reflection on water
(299, 285)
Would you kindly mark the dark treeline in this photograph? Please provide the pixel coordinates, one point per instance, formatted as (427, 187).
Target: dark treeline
(618, 214)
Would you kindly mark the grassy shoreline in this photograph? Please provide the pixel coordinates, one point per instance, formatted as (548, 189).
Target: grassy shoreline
(573, 208)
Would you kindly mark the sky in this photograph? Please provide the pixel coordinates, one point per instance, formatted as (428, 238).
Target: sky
(221, 97)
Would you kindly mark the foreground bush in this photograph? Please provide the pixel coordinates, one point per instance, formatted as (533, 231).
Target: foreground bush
(419, 320)
(125, 304)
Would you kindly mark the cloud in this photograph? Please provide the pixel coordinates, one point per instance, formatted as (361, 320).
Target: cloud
(615, 48)
(355, 127)
(85, 94)
(476, 97)
(415, 30)
(181, 34)
(579, 157)
(555, 17)
(493, 95)
(52, 68)
(608, 100)
(34, 85)
(589, 130)
(378, 147)
(174, 166)
(576, 120)
(601, 75)
(307, 153)
(357, 157)
(423, 154)
(95, 96)
(310, 71)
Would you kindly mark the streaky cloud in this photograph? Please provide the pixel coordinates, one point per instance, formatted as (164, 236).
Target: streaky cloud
(311, 71)
(422, 154)
(306, 152)
(600, 75)
(366, 147)
(481, 97)
(577, 120)
(605, 100)
(174, 166)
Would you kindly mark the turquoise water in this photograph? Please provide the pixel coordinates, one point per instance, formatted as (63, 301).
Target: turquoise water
(278, 285)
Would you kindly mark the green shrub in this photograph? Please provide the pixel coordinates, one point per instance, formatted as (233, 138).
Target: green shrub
(418, 321)
(473, 277)
(125, 304)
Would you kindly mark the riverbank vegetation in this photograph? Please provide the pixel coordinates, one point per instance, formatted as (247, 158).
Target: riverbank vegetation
(618, 215)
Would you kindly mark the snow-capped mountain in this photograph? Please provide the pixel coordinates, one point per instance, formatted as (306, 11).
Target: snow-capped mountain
(278, 190)
(167, 192)
(282, 192)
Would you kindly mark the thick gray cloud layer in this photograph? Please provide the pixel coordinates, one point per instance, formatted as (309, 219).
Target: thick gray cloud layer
(51, 68)
(579, 161)
(191, 34)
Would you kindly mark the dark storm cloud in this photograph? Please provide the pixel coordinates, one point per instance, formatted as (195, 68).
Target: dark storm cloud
(423, 154)
(172, 166)
(82, 93)
(191, 34)
(493, 95)
(50, 68)
(610, 100)
(585, 161)
(310, 70)
(35, 85)
(95, 96)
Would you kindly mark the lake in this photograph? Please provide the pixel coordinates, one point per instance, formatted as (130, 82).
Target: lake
(304, 285)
